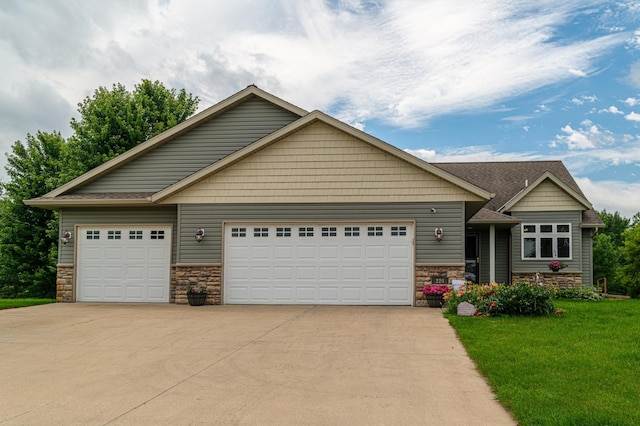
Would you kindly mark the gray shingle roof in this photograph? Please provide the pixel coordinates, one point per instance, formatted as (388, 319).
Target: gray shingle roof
(507, 179)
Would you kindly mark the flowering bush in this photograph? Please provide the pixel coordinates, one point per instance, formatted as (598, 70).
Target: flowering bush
(197, 290)
(433, 290)
(498, 299)
(556, 265)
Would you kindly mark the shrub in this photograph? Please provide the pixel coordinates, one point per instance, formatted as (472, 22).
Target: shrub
(498, 299)
(581, 293)
(526, 299)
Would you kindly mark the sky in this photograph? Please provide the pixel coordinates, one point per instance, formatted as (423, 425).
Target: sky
(445, 80)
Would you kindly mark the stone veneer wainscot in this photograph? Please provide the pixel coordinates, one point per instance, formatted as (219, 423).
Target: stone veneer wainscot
(197, 275)
(425, 272)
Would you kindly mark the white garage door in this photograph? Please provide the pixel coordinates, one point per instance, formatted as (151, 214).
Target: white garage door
(349, 264)
(123, 264)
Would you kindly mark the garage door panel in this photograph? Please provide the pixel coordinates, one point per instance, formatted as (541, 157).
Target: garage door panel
(114, 268)
(326, 264)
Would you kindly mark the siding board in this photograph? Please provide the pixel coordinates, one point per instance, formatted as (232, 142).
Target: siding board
(320, 163)
(188, 153)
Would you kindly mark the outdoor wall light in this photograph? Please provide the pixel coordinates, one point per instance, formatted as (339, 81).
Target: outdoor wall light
(438, 233)
(66, 235)
(199, 234)
(433, 210)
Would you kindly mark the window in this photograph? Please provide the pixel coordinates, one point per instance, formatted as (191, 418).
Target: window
(157, 235)
(546, 241)
(283, 232)
(135, 235)
(260, 232)
(114, 235)
(305, 232)
(398, 231)
(352, 231)
(374, 231)
(93, 235)
(238, 232)
(329, 231)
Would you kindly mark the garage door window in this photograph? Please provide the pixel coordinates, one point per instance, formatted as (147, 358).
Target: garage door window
(305, 232)
(157, 235)
(260, 232)
(374, 231)
(114, 235)
(93, 235)
(283, 232)
(352, 231)
(329, 231)
(135, 235)
(398, 231)
(238, 232)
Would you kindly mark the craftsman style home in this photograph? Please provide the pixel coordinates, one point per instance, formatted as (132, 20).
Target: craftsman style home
(263, 202)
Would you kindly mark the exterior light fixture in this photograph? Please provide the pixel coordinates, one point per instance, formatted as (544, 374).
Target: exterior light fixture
(438, 233)
(199, 234)
(66, 235)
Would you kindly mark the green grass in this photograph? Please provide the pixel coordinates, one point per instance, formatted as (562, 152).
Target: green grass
(21, 303)
(580, 368)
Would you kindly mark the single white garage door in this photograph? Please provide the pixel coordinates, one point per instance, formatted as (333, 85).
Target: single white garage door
(123, 264)
(341, 264)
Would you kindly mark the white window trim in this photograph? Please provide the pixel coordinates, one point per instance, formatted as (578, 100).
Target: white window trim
(538, 235)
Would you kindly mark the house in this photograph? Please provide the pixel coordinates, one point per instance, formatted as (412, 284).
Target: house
(263, 202)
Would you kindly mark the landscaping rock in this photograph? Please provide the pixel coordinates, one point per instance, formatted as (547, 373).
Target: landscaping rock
(466, 309)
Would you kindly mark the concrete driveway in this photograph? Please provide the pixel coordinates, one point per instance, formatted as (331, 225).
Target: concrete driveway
(96, 364)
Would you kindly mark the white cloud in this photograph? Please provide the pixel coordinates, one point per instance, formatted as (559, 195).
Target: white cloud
(612, 195)
(585, 137)
(632, 116)
(612, 109)
(577, 101)
(577, 73)
(632, 101)
(472, 154)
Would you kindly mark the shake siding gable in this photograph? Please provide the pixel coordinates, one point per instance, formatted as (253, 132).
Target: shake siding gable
(320, 163)
(190, 152)
(547, 197)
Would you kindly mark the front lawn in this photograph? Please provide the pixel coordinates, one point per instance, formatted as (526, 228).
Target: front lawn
(579, 368)
(21, 303)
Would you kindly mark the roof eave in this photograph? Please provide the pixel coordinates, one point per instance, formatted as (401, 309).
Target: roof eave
(53, 203)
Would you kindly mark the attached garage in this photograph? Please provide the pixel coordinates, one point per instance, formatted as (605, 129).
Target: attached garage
(123, 264)
(319, 263)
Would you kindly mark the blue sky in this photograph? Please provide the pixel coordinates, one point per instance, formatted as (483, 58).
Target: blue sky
(445, 80)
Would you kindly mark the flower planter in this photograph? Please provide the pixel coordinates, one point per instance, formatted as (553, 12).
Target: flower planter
(434, 300)
(197, 299)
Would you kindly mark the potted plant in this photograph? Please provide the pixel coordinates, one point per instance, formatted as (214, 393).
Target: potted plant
(556, 265)
(196, 295)
(434, 294)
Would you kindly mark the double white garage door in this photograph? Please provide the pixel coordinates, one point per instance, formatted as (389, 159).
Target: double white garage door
(351, 264)
(298, 263)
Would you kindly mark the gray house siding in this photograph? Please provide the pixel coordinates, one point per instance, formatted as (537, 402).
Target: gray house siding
(587, 257)
(69, 218)
(485, 257)
(448, 216)
(198, 148)
(572, 217)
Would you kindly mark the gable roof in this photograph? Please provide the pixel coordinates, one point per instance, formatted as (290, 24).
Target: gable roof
(172, 133)
(512, 181)
(316, 116)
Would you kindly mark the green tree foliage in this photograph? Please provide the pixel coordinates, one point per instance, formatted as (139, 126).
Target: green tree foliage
(29, 235)
(629, 275)
(615, 226)
(111, 122)
(606, 260)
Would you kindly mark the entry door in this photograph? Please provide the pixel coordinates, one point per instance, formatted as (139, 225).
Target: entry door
(472, 258)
